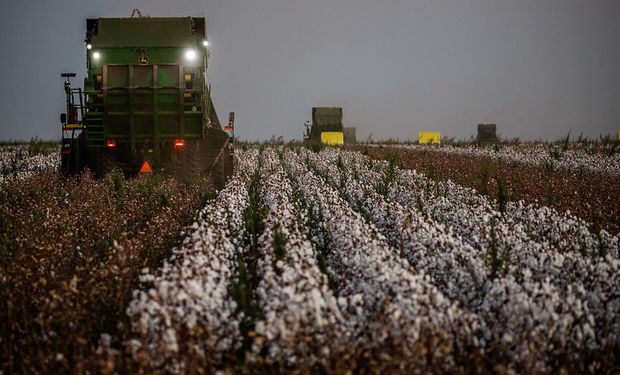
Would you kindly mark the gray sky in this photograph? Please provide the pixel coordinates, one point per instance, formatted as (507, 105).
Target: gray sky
(538, 68)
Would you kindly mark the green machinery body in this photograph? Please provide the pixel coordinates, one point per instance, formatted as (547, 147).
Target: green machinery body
(146, 100)
(325, 119)
(328, 119)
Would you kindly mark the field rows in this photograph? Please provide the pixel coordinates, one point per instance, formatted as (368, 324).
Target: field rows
(579, 180)
(334, 261)
(605, 161)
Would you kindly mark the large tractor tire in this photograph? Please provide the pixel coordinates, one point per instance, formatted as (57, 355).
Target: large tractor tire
(77, 159)
(65, 162)
(104, 162)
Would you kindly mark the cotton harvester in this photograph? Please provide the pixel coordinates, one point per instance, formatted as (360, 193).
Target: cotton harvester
(327, 127)
(146, 104)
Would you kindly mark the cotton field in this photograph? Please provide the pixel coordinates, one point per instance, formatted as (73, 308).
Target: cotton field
(576, 159)
(309, 262)
(19, 161)
(331, 260)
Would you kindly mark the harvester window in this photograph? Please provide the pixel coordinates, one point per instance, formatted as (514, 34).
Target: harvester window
(189, 81)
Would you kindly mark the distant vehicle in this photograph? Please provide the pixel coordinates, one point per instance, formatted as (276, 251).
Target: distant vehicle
(487, 133)
(146, 105)
(327, 127)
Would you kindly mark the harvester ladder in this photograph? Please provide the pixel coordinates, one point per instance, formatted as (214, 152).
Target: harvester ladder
(94, 122)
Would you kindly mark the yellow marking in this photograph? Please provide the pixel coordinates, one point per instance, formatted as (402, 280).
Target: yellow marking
(425, 138)
(73, 126)
(332, 138)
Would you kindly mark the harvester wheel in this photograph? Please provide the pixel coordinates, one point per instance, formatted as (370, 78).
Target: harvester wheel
(105, 162)
(76, 160)
(82, 152)
(64, 164)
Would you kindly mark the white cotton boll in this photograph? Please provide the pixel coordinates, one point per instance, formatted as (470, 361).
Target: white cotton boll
(194, 288)
(170, 340)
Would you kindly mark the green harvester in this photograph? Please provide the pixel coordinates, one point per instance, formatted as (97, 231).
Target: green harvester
(146, 103)
(327, 127)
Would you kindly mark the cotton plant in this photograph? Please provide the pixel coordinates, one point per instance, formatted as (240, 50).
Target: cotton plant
(302, 325)
(357, 263)
(456, 267)
(16, 163)
(187, 303)
(553, 246)
(395, 311)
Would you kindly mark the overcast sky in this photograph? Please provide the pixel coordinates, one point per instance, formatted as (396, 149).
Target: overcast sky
(537, 68)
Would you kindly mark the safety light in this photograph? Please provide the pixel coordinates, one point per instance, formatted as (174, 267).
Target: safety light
(110, 143)
(179, 144)
(190, 55)
(89, 46)
(96, 55)
(205, 43)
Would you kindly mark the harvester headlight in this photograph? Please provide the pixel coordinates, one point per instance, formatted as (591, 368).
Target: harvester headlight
(190, 55)
(89, 46)
(96, 55)
(205, 43)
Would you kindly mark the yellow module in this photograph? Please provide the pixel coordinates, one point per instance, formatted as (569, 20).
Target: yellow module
(332, 138)
(425, 138)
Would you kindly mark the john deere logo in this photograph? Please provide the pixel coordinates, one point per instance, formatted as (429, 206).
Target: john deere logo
(143, 59)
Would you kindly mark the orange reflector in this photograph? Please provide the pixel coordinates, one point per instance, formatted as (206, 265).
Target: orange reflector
(110, 143)
(146, 168)
(228, 128)
(179, 143)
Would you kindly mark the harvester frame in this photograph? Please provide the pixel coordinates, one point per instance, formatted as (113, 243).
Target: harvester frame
(146, 104)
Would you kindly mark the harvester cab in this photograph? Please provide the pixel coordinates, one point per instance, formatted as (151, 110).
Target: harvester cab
(72, 127)
(146, 104)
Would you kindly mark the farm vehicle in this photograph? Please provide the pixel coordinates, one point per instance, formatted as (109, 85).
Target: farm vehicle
(146, 103)
(327, 127)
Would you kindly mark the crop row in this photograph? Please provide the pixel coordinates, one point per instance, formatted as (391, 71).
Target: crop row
(592, 196)
(333, 261)
(575, 160)
(471, 249)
